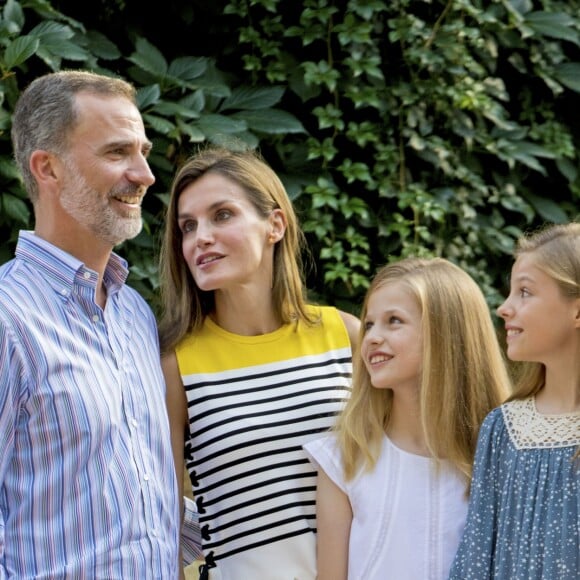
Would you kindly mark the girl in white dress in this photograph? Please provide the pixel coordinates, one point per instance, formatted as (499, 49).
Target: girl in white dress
(394, 473)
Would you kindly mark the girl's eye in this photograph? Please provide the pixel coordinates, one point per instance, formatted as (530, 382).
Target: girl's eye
(523, 292)
(367, 326)
(395, 320)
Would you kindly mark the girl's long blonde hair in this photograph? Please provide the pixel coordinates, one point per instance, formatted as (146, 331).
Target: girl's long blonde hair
(463, 374)
(556, 252)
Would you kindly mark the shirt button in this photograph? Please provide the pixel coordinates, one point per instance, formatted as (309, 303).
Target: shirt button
(146, 477)
(86, 275)
(95, 318)
(134, 422)
(63, 292)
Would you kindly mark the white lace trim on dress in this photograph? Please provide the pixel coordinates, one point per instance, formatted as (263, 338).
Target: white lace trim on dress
(529, 429)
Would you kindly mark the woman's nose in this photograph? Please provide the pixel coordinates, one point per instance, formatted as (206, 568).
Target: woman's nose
(204, 235)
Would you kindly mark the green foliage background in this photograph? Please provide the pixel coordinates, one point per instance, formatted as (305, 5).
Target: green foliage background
(398, 127)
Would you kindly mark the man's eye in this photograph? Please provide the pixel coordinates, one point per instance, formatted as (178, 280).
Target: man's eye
(117, 151)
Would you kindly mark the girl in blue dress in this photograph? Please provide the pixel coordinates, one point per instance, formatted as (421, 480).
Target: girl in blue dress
(524, 513)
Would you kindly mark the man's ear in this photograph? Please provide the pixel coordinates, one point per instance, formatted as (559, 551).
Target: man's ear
(46, 168)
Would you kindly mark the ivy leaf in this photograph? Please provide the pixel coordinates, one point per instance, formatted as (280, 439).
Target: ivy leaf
(14, 16)
(567, 169)
(15, 208)
(568, 74)
(553, 24)
(52, 32)
(528, 148)
(252, 98)
(149, 58)
(172, 109)
(101, 46)
(8, 168)
(195, 134)
(148, 96)
(214, 124)
(187, 68)
(548, 209)
(65, 49)
(20, 51)
(271, 121)
(159, 124)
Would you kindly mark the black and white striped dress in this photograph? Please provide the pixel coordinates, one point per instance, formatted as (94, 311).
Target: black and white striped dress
(253, 402)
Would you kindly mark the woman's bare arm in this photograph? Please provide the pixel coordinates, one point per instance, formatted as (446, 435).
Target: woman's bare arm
(177, 411)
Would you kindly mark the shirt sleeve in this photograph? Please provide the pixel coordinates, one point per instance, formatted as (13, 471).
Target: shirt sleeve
(10, 378)
(190, 533)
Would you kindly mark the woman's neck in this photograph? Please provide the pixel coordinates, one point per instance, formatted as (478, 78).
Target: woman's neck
(245, 313)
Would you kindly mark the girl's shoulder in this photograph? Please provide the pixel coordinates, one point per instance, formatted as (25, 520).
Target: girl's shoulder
(494, 420)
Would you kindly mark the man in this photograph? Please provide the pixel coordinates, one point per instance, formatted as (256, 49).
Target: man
(87, 481)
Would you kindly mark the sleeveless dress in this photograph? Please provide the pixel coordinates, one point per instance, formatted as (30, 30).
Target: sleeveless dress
(408, 515)
(253, 401)
(524, 510)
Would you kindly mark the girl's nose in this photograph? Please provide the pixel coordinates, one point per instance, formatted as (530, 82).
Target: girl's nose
(504, 310)
(373, 337)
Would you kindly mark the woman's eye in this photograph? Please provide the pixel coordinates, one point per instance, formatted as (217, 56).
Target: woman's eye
(223, 214)
(187, 227)
(395, 320)
(524, 292)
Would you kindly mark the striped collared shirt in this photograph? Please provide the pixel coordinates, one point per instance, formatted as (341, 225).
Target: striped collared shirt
(87, 483)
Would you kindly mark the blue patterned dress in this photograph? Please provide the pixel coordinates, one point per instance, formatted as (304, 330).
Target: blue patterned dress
(524, 511)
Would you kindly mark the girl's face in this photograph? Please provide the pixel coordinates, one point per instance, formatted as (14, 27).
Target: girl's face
(540, 322)
(392, 345)
(226, 243)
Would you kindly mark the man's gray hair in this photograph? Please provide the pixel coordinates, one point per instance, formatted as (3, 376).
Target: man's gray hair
(45, 114)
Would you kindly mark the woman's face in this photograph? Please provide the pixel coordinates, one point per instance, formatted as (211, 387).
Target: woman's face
(226, 243)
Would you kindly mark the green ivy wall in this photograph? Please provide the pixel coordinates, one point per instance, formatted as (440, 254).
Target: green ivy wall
(399, 127)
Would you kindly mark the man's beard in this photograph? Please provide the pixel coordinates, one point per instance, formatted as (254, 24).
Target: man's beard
(97, 213)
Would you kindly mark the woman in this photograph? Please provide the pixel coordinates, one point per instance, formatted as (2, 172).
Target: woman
(253, 370)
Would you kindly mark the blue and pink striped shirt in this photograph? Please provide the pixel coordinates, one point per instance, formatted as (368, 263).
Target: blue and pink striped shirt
(87, 482)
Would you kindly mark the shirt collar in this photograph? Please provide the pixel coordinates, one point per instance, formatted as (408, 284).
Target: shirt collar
(61, 269)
